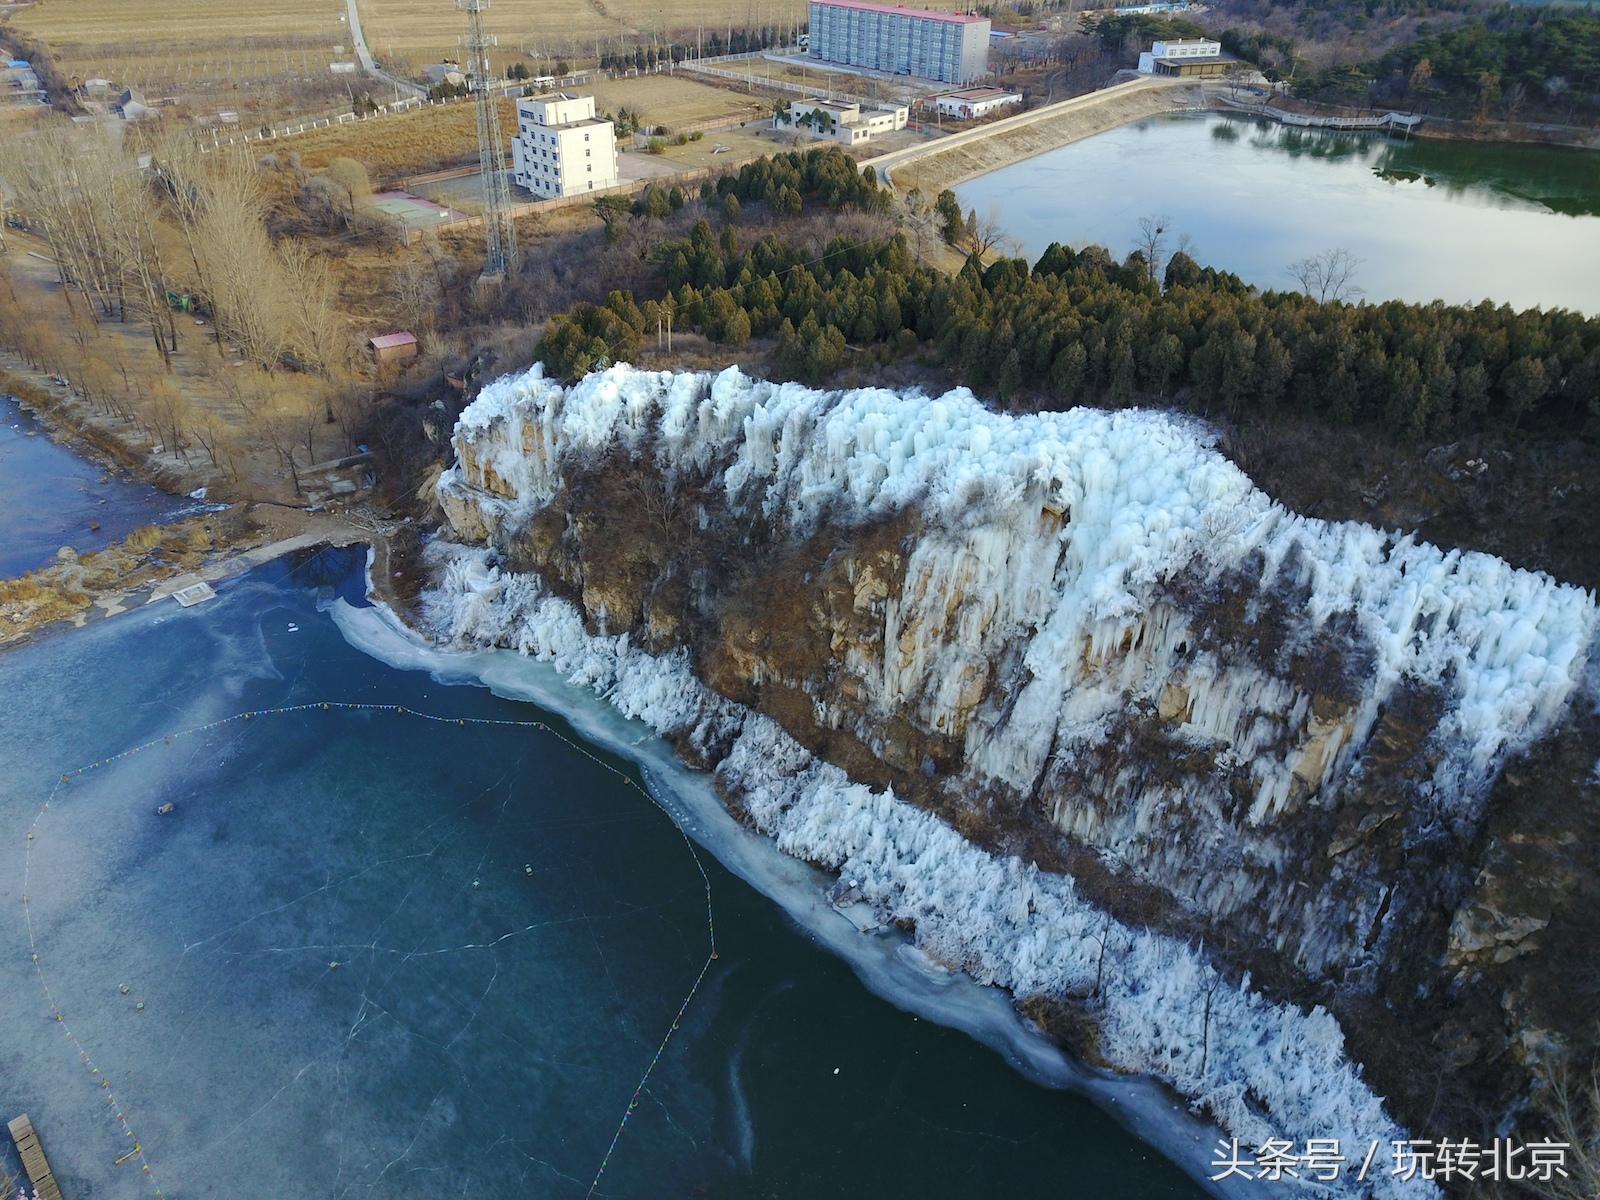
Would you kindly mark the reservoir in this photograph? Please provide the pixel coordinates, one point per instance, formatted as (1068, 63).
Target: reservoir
(378, 954)
(1458, 221)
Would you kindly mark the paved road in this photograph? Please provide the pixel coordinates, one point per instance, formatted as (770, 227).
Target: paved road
(885, 163)
(358, 39)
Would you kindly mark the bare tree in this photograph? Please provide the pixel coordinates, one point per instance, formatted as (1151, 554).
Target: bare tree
(280, 431)
(352, 177)
(1329, 276)
(169, 413)
(316, 332)
(1214, 983)
(1153, 243)
(1575, 1101)
(221, 213)
(985, 233)
(1514, 97)
(417, 291)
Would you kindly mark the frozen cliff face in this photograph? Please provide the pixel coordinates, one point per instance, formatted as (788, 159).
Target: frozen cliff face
(1284, 726)
(1261, 1069)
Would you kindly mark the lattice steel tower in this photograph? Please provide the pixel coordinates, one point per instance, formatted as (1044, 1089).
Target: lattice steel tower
(502, 236)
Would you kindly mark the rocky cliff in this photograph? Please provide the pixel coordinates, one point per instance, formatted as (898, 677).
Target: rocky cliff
(1086, 647)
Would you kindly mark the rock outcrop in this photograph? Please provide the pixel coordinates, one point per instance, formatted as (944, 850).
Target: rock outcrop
(1084, 640)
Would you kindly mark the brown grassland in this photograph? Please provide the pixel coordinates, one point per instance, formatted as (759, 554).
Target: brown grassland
(428, 139)
(435, 138)
(673, 100)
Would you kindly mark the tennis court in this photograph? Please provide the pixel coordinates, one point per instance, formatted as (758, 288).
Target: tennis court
(413, 211)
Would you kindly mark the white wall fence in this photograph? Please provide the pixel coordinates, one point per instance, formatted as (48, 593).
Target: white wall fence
(1391, 121)
(409, 104)
(508, 86)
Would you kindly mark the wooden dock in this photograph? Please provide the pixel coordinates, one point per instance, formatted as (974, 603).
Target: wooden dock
(33, 1160)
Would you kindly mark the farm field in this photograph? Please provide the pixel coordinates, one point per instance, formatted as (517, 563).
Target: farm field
(415, 32)
(243, 50)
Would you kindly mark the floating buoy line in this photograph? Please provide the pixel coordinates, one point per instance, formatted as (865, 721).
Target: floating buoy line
(108, 1093)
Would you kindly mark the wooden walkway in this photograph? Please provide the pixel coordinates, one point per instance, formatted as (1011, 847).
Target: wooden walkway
(33, 1160)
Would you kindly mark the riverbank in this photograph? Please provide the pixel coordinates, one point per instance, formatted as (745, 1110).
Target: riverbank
(155, 560)
(71, 421)
(943, 164)
(951, 161)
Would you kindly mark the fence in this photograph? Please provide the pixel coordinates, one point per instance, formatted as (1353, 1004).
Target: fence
(781, 85)
(508, 86)
(1405, 122)
(410, 104)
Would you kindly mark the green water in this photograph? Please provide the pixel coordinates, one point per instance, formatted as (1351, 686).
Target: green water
(1458, 221)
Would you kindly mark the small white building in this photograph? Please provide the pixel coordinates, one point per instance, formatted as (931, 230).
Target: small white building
(562, 148)
(131, 106)
(977, 102)
(1174, 54)
(847, 124)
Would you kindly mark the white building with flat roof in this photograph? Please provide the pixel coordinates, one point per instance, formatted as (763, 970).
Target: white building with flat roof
(977, 102)
(1184, 56)
(848, 124)
(562, 148)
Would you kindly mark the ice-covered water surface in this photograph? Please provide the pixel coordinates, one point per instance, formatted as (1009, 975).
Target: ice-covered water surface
(53, 498)
(478, 1040)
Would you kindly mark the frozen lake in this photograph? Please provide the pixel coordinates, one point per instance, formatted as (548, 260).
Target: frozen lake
(379, 956)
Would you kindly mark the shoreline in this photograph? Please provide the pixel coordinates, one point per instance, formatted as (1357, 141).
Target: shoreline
(935, 166)
(962, 157)
(1145, 1105)
(239, 533)
(59, 410)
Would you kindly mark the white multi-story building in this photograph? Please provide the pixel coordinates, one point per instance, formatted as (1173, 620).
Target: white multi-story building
(846, 123)
(562, 148)
(951, 47)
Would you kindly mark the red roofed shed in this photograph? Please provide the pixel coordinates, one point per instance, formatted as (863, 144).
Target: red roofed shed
(393, 347)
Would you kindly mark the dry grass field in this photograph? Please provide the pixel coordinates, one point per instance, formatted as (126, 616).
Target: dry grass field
(673, 100)
(415, 32)
(434, 138)
(427, 139)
